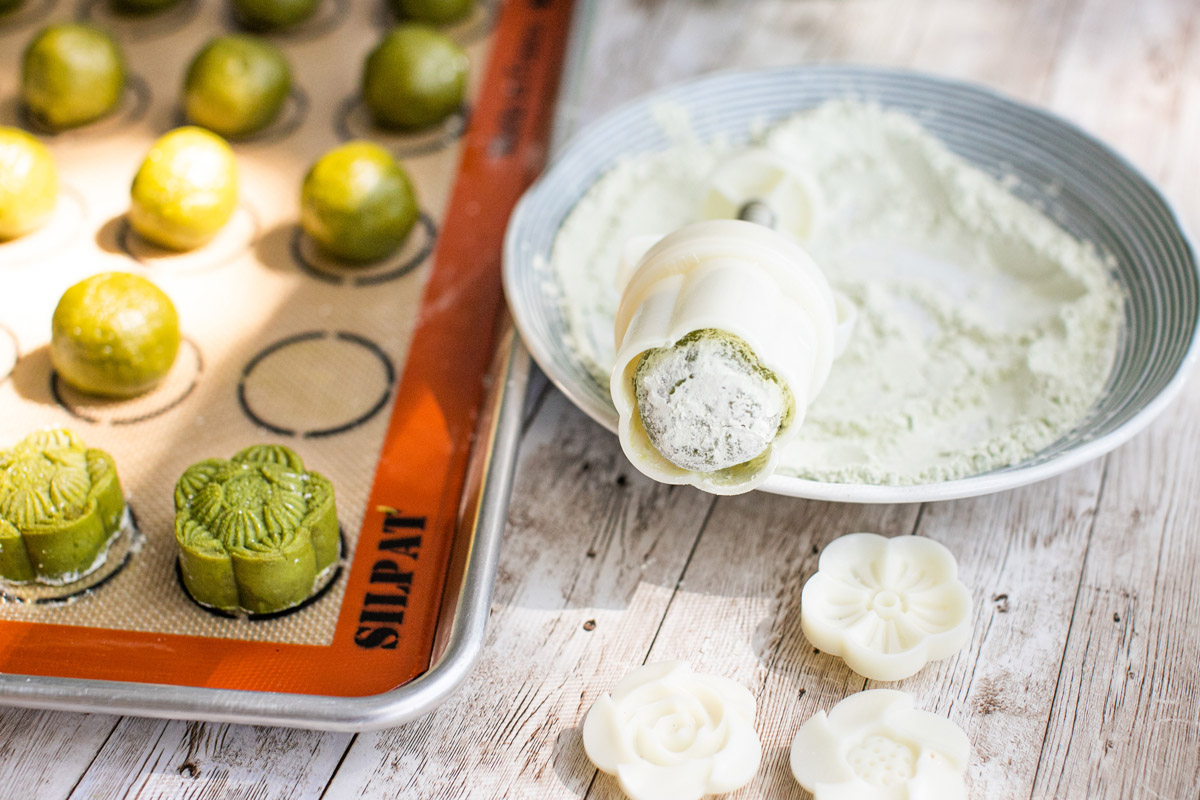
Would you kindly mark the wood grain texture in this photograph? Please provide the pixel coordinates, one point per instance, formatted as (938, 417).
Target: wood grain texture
(1081, 678)
(584, 581)
(44, 753)
(155, 759)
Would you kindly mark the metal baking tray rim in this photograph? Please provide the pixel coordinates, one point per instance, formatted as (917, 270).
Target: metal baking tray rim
(493, 460)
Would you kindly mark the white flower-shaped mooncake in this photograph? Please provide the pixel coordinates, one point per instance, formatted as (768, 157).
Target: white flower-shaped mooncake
(668, 733)
(875, 746)
(886, 606)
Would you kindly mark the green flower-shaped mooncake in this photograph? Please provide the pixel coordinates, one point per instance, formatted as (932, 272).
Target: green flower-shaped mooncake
(254, 532)
(60, 506)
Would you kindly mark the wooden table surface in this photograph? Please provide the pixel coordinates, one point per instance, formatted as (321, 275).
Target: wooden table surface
(1082, 678)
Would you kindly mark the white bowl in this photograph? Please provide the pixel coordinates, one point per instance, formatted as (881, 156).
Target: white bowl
(1099, 196)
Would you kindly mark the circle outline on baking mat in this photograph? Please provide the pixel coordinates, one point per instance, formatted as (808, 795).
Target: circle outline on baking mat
(67, 194)
(1159, 343)
(137, 541)
(401, 144)
(57, 393)
(292, 115)
(476, 26)
(126, 235)
(149, 25)
(307, 30)
(299, 239)
(308, 336)
(312, 599)
(130, 110)
(25, 17)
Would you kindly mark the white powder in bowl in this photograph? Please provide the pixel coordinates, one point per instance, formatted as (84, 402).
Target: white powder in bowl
(985, 331)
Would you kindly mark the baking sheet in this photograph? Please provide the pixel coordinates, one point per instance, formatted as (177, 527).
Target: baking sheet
(282, 346)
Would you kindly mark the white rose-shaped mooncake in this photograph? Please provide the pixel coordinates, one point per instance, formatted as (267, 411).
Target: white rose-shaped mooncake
(668, 733)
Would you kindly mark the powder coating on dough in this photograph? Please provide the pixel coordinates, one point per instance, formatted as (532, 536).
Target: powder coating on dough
(706, 403)
(985, 331)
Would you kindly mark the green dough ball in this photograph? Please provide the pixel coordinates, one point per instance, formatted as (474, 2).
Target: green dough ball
(186, 189)
(72, 74)
(28, 183)
(414, 78)
(272, 15)
(433, 12)
(236, 85)
(357, 203)
(114, 335)
(60, 507)
(141, 6)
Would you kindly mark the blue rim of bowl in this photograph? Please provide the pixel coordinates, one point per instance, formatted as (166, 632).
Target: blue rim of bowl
(1063, 454)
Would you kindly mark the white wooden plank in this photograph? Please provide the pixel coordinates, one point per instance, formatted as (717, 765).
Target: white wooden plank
(1021, 555)
(736, 614)
(591, 559)
(44, 753)
(1121, 75)
(1011, 46)
(1126, 716)
(155, 759)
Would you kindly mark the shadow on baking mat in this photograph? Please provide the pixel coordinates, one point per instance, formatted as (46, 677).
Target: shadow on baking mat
(25, 16)
(287, 121)
(414, 252)
(131, 109)
(235, 238)
(175, 389)
(35, 380)
(475, 26)
(352, 120)
(62, 230)
(328, 17)
(138, 25)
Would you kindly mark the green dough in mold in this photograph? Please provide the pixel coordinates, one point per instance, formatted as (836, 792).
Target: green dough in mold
(60, 506)
(256, 531)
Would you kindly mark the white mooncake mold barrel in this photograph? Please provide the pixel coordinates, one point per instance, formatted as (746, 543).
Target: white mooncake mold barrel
(887, 607)
(669, 732)
(875, 745)
(740, 279)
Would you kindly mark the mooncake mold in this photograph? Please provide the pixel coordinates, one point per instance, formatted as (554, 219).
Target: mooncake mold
(757, 289)
(791, 198)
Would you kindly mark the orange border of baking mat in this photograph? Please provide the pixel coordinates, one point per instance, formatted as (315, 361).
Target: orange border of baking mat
(385, 631)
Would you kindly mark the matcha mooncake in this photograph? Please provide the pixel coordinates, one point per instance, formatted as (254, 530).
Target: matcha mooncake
(256, 533)
(60, 507)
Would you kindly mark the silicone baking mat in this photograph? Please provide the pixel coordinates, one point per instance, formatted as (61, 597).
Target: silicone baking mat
(374, 375)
